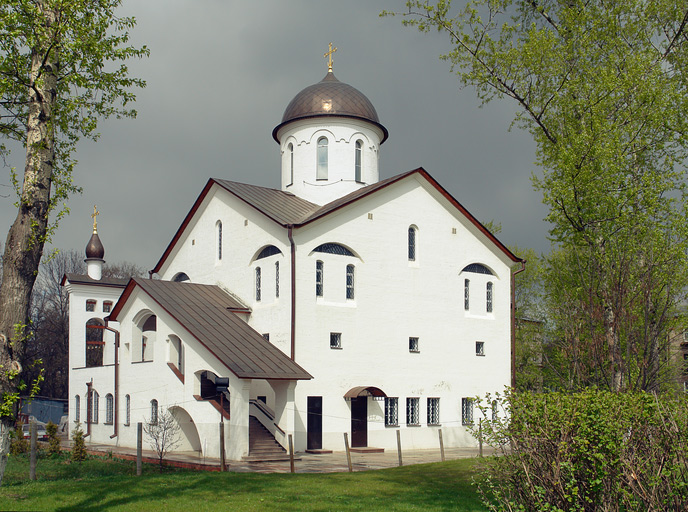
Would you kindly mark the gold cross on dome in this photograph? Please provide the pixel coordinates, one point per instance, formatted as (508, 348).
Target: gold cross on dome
(94, 216)
(329, 58)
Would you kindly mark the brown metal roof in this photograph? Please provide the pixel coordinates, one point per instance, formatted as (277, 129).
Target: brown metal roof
(206, 312)
(105, 281)
(330, 98)
(365, 391)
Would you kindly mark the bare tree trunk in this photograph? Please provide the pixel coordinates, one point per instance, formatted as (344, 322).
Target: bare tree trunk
(612, 336)
(25, 240)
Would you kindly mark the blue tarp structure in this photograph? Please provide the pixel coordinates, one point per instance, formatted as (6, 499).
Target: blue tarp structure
(44, 409)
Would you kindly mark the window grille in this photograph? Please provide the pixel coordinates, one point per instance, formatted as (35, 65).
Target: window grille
(291, 163)
(277, 279)
(350, 282)
(488, 296)
(391, 411)
(77, 409)
(107, 306)
(412, 244)
(412, 414)
(433, 411)
(335, 340)
(90, 305)
(467, 411)
(258, 284)
(477, 268)
(127, 410)
(268, 251)
(322, 159)
(413, 345)
(466, 293)
(332, 248)
(319, 275)
(154, 412)
(96, 405)
(180, 278)
(109, 406)
(359, 148)
(479, 348)
(219, 240)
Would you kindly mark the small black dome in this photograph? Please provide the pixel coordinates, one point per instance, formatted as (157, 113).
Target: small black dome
(330, 97)
(95, 248)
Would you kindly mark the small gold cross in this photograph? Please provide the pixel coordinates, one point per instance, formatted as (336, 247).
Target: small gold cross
(94, 216)
(329, 58)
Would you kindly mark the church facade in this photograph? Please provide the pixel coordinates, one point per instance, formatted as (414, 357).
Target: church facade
(339, 303)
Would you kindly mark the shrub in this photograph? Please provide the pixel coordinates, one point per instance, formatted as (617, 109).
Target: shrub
(53, 440)
(586, 451)
(17, 442)
(78, 445)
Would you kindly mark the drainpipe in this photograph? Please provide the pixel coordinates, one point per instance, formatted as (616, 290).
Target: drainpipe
(513, 323)
(116, 404)
(290, 228)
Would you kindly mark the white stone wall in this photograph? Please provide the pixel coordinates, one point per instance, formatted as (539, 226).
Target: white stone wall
(342, 137)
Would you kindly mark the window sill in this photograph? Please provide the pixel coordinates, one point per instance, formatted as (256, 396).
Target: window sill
(414, 351)
(108, 423)
(336, 348)
(176, 371)
(480, 355)
(392, 426)
(413, 424)
(434, 424)
(145, 361)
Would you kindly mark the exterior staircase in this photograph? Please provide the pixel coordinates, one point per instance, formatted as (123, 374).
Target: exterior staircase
(262, 446)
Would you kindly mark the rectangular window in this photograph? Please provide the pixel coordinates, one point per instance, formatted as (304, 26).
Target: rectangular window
(335, 340)
(90, 305)
(277, 279)
(391, 412)
(77, 408)
(258, 284)
(466, 294)
(412, 407)
(350, 282)
(108, 409)
(411, 244)
(319, 271)
(488, 296)
(433, 411)
(96, 399)
(107, 306)
(127, 411)
(413, 345)
(467, 411)
(479, 348)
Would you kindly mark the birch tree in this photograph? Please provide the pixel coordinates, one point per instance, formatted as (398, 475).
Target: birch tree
(602, 86)
(61, 69)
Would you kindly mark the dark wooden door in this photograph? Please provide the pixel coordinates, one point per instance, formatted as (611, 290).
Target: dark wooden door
(314, 423)
(359, 421)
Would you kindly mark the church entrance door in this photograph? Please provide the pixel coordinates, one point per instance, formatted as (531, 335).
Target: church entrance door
(314, 423)
(359, 421)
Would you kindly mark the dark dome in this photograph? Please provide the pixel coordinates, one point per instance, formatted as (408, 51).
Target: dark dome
(95, 248)
(330, 97)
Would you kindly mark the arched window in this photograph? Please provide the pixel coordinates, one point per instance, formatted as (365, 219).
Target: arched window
(322, 159)
(319, 277)
(359, 151)
(267, 251)
(412, 243)
(127, 410)
(277, 279)
(488, 297)
(176, 353)
(154, 412)
(219, 240)
(477, 268)
(466, 293)
(350, 282)
(331, 248)
(77, 409)
(148, 335)
(109, 408)
(180, 278)
(258, 288)
(96, 404)
(94, 343)
(291, 163)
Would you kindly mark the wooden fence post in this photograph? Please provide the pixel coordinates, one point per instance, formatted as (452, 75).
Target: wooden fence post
(291, 454)
(441, 445)
(480, 437)
(222, 446)
(139, 448)
(399, 445)
(348, 453)
(32, 458)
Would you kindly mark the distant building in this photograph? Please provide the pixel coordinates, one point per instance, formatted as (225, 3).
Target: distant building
(340, 303)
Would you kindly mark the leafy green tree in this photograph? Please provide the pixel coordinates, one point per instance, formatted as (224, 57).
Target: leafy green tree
(61, 68)
(603, 89)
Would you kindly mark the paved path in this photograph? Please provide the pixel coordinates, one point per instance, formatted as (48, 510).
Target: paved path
(306, 463)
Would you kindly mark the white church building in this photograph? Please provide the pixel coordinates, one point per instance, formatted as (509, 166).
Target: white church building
(338, 303)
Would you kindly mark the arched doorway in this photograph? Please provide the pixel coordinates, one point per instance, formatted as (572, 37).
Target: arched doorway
(190, 440)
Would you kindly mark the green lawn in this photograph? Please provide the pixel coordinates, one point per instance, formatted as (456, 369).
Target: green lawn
(102, 484)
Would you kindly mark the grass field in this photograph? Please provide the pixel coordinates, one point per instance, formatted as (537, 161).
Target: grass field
(107, 484)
